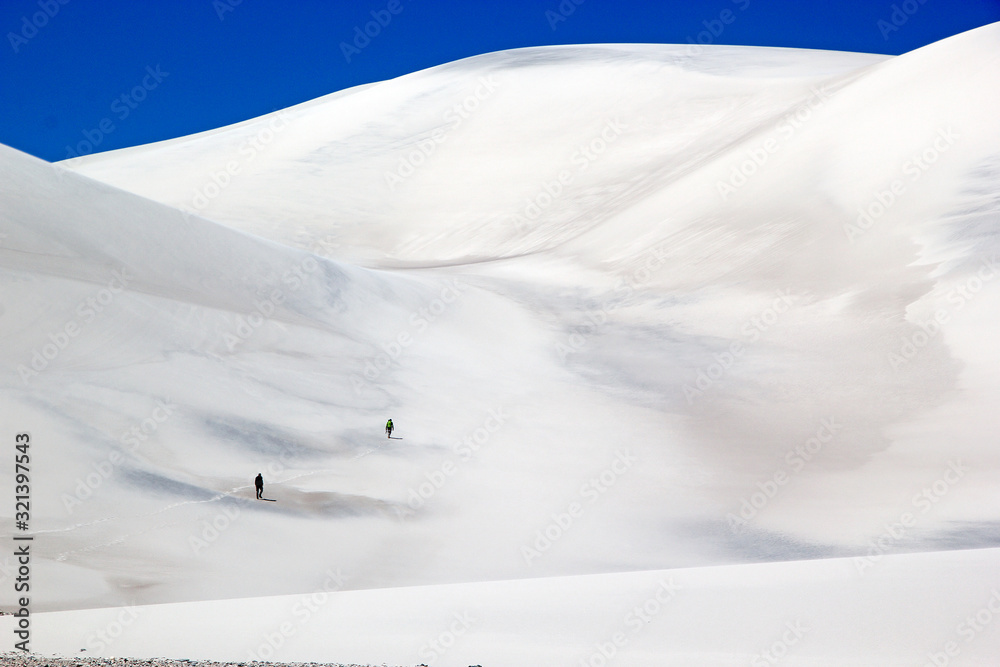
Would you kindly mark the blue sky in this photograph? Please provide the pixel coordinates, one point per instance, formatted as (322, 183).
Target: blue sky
(79, 76)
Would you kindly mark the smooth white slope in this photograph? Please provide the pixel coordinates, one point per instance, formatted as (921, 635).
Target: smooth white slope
(479, 137)
(901, 610)
(838, 131)
(156, 411)
(160, 361)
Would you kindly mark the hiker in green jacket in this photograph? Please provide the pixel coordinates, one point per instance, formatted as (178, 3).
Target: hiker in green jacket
(388, 429)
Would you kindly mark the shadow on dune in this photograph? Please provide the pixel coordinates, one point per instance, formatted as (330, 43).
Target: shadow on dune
(291, 500)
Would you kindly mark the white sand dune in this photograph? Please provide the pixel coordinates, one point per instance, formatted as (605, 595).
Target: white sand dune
(635, 311)
(818, 612)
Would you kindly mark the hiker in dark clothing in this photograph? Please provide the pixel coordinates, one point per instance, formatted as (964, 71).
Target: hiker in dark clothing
(259, 483)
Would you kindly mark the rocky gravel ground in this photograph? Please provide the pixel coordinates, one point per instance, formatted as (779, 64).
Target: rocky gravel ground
(18, 659)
